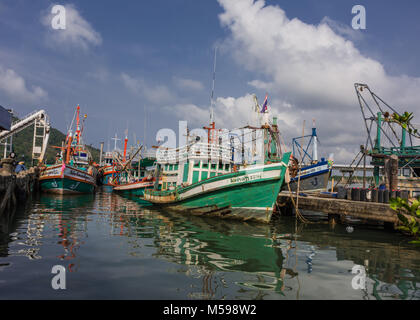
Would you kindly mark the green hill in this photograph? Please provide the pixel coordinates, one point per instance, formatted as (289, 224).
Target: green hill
(22, 146)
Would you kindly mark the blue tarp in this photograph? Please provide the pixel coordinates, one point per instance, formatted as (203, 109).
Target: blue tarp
(5, 119)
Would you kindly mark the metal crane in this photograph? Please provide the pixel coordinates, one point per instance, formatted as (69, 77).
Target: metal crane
(41, 136)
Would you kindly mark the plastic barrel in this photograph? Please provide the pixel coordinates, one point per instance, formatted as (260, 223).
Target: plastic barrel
(355, 194)
(349, 193)
(341, 192)
(374, 195)
(380, 196)
(368, 195)
(362, 194)
(386, 196)
(393, 194)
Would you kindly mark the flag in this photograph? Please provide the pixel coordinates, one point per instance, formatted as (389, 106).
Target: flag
(264, 107)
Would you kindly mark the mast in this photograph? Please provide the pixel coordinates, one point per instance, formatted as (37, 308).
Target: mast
(125, 147)
(211, 134)
(78, 125)
(70, 139)
(314, 143)
(212, 90)
(115, 141)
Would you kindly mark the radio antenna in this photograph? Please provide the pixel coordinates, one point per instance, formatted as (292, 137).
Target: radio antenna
(212, 90)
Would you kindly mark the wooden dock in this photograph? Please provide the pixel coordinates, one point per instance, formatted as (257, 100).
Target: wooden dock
(16, 188)
(338, 209)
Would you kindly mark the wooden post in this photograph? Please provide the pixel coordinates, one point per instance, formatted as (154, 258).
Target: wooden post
(364, 167)
(393, 172)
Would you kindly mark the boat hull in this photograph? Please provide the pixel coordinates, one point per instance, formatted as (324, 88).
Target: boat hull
(249, 194)
(67, 180)
(313, 178)
(135, 189)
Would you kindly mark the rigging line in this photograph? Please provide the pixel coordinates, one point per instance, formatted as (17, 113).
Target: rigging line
(367, 105)
(385, 103)
(374, 99)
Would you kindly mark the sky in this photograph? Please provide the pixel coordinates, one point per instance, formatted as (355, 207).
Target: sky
(145, 65)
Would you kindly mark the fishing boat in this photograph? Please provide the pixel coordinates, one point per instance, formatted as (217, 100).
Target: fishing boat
(310, 174)
(73, 171)
(215, 179)
(134, 177)
(135, 188)
(110, 167)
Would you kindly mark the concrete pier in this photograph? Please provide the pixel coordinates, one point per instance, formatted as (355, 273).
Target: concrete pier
(15, 188)
(338, 209)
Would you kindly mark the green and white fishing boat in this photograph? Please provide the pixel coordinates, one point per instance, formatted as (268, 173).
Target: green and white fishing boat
(238, 180)
(73, 172)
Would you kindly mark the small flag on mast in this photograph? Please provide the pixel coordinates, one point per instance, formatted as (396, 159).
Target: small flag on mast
(264, 107)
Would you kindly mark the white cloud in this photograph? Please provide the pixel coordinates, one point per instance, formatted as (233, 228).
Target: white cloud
(188, 84)
(158, 94)
(15, 87)
(309, 71)
(78, 33)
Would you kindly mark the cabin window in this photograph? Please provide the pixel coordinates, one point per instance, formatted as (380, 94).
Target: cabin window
(195, 177)
(227, 167)
(204, 175)
(205, 165)
(213, 166)
(185, 176)
(406, 172)
(176, 167)
(171, 167)
(197, 164)
(164, 186)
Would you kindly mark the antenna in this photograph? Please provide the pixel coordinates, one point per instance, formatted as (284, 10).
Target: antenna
(115, 141)
(212, 90)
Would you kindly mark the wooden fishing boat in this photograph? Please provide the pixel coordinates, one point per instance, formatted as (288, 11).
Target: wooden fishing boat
(136, 188)
(74, 171)
(311, 173)
(206, 180)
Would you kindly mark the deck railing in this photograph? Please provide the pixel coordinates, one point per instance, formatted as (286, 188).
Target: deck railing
(196, 151)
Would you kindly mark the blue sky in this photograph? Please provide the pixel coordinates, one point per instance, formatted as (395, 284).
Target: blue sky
(152, 60)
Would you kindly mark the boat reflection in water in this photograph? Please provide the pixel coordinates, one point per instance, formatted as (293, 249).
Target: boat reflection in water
(134, 252)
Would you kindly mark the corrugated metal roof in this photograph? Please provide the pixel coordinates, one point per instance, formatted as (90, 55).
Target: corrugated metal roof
(5, 119)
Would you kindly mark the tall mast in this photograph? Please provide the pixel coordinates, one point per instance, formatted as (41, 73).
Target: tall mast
(125, 145)
(315, 142)
(78, 125)
(211, 129)
(212, 89)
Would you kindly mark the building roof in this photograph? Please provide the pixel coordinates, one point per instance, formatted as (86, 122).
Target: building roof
(5, 119)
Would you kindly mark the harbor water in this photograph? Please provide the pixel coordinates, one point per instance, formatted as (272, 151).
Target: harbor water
(116, 248)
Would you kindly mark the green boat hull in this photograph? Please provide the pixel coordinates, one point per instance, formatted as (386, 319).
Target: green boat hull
(249, 194)
(66, 186)
(244, 202)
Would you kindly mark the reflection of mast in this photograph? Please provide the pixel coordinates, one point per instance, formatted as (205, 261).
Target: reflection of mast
(68, 245)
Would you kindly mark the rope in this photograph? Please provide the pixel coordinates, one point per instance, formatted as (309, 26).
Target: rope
(298, 213)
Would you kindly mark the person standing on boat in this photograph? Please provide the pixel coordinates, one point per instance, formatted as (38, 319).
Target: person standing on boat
(20, 167)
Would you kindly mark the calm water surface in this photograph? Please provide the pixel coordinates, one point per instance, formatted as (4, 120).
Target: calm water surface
(115, 248)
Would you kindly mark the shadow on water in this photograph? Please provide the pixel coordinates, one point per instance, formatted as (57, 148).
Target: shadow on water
(179, 256)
